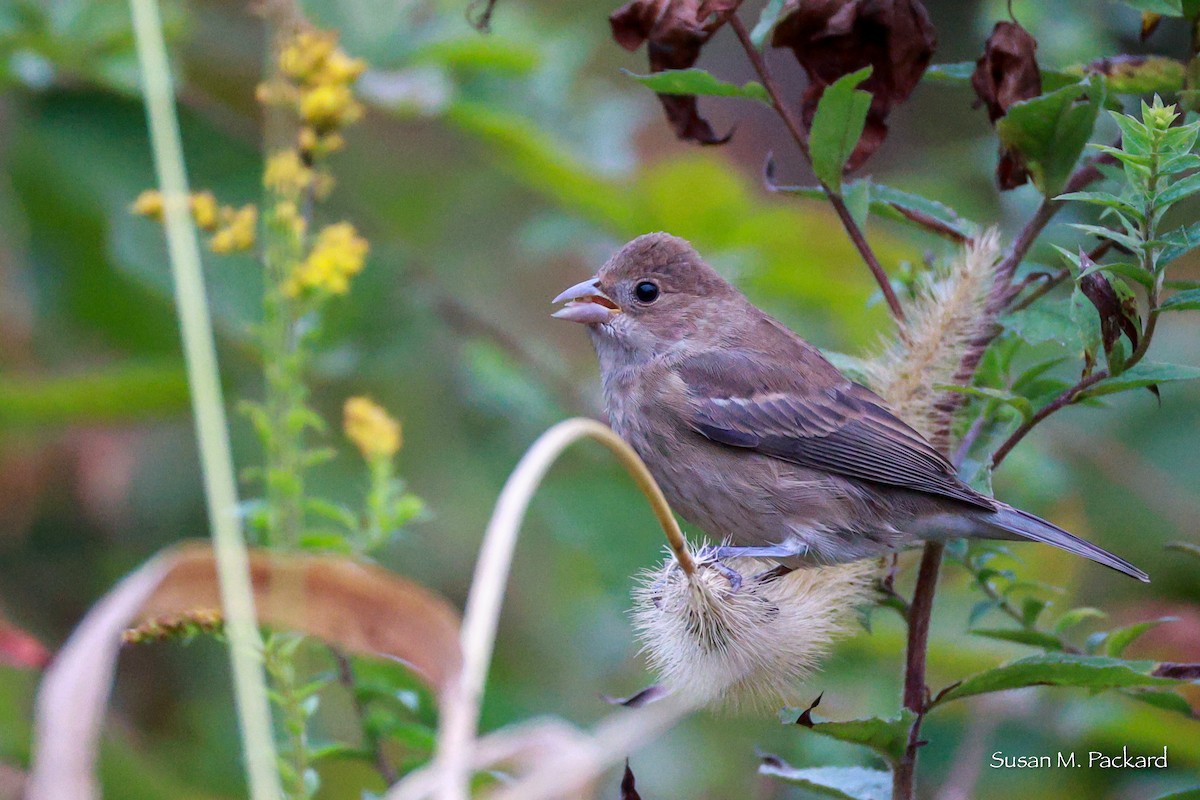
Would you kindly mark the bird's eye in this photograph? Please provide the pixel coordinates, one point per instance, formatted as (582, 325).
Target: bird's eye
(646, 292)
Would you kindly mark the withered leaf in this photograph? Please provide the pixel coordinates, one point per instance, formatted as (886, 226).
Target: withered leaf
(675, 31)
(1007, 73)
(628, 788)
(1117, 314)
(832, 38)
(1178, 671)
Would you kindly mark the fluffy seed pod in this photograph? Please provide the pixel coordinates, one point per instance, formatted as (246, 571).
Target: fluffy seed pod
(749, 647)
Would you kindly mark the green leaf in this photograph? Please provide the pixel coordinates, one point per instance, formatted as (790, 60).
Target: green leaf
(1144, 373)
(1058, 669)
(1050, 131)
(1102, 199)
(841, 115)
(1178, 190)
(1075, 616)
(1101, 232)
(888, 737)
(902, 205)
(1178, 242)
(1117, 640)
(1166, 700)
(1182, 301)
(1021, 404)
(1050, 323)
(1170, 8)
(844, 783)
(767, 22)
(899, 205)
(700, 82)
(1021, 636)
(956, 74)
(1123, 268)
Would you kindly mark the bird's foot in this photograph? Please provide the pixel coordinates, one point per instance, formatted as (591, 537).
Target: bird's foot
(715, 558)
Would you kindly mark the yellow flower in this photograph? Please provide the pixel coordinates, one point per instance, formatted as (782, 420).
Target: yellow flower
(149, 204)
(286, 174)
(287, 215)
(204, 210)
(375, 433)
(337, 256)
(329, 106)
(237, 230)
(306, 53)
(338, 68)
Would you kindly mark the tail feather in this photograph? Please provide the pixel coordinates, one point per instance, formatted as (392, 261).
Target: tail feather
(1027, 526)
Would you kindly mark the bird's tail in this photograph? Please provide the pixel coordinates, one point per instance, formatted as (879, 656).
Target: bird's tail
(1017, 524)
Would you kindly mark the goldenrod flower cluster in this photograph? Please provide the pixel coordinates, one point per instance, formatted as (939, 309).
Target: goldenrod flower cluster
(337, 255)
(232, 228)
(371, 429)
(317, 79)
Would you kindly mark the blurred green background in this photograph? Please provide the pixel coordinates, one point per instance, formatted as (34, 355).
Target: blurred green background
(490, 173)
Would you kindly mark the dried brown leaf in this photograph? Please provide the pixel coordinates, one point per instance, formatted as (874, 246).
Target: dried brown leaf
(832, 38)
(675, 31)
(1007, 72)
(358, 607)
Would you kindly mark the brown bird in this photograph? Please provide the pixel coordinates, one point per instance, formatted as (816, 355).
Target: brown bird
(755, 437)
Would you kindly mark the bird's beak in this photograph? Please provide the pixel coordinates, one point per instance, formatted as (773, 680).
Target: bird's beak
(585, 303)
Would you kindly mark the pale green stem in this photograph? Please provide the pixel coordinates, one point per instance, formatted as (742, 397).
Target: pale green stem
(237, 599)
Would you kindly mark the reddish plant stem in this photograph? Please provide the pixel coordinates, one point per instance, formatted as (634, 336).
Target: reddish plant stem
(797, 131)
(921, 608)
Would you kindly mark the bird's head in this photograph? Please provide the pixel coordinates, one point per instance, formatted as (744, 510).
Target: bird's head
(653, 294)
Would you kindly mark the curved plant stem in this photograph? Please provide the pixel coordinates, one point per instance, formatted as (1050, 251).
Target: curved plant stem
(460, 715)
(839, 205)
(237, 600)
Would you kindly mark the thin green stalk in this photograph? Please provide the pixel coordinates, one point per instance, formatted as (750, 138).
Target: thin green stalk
(237, 599)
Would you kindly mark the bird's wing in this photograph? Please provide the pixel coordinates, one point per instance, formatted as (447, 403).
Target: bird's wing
(747, 400)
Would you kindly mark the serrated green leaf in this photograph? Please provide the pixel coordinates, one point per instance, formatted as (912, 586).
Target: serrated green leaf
(1075, 616)
(1021, 636)
(1045, 323)
(1050, 131)
(843, 783)
(699, 82)
(1144, 373)
(767, 22)
(1119, 639)
(837, 125)
(1058, 669)
(1188, 300)
(888, 737)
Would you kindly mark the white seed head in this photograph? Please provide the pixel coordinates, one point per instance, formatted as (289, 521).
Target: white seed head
(750, 647)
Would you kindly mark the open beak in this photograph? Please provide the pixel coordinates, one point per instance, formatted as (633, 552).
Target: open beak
(585, 303)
